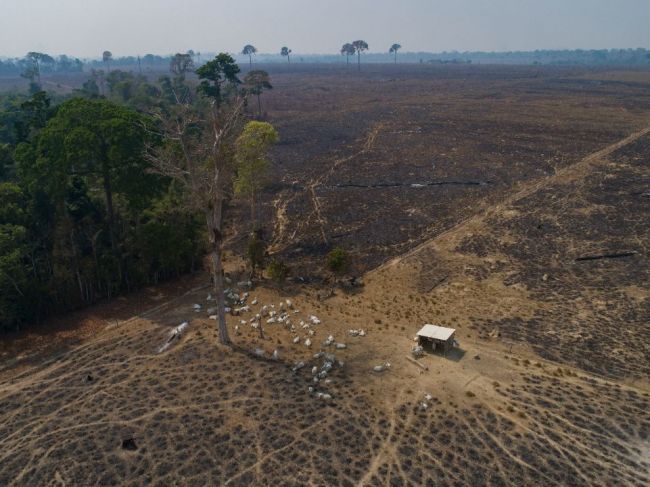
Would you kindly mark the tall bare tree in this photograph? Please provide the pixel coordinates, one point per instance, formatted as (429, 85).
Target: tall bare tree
(360, 46)
(197, 152)
(181, 64)
(38, 59)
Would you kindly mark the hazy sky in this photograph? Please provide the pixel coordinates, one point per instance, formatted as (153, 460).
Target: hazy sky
(87, 27)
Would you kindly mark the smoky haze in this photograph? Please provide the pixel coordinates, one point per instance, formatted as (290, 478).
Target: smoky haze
(127, 27)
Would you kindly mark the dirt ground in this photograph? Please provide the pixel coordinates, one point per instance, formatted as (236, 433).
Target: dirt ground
(548, 385)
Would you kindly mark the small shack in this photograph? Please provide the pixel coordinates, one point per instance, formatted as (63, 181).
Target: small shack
(436, 338)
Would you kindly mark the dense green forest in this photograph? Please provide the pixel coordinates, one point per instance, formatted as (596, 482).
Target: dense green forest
(85, 213)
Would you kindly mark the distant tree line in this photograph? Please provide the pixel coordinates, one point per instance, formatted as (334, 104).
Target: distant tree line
(46, 64)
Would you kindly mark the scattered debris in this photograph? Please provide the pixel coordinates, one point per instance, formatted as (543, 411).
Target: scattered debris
(308, 342)
(259, 352)
(616, 255)
(325, 294)
(174, 334)
(413, 361)
(341, 346)
(417, 351)
(129, 444)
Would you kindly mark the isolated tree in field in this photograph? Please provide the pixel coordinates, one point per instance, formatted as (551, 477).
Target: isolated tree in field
(393, 50)
(256, 82)
(107, 57)
(197, 152)
(360, 46)
(348, 50)
(181, 64)
(338, 260)
(249, 50)
(252, 163)
(285, 51)
(218, 75)
(37, 59)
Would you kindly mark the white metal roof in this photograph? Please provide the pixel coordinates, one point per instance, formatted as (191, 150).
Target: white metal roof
(436, 332)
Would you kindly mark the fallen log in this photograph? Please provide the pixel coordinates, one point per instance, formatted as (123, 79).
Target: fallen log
(412, 360)
(616, 255)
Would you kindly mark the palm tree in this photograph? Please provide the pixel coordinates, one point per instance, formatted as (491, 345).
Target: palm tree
(107, 56)
(393, 49)
(249, 50)
(360, 46)
(348, 50)
(285, 51)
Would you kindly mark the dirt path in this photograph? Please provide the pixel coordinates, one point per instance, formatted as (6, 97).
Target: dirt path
(280, 205)
(574, 171)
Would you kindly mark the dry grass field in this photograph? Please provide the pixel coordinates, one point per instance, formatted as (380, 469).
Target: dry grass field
(469, 197)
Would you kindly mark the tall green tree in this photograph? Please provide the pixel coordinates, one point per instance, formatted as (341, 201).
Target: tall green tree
(218, 75)
(256, 82)
(286, 52)
(107, 57)
(348, 50)
(252, 162)
(249, 50)
(360, 46)
(393, 50)
(197, 152)
(100, 142)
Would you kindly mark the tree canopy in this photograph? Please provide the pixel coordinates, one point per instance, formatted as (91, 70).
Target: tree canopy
(216, 75)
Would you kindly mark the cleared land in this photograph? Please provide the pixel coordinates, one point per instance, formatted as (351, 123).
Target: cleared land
(549, 385)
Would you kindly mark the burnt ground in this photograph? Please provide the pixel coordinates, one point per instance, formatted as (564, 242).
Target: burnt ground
(380, 161)
(549, 383)
(580, 247)
(201, 414)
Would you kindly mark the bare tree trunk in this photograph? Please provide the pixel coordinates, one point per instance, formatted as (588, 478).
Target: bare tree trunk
(259, 104)
(213, 219)
(359, 60)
